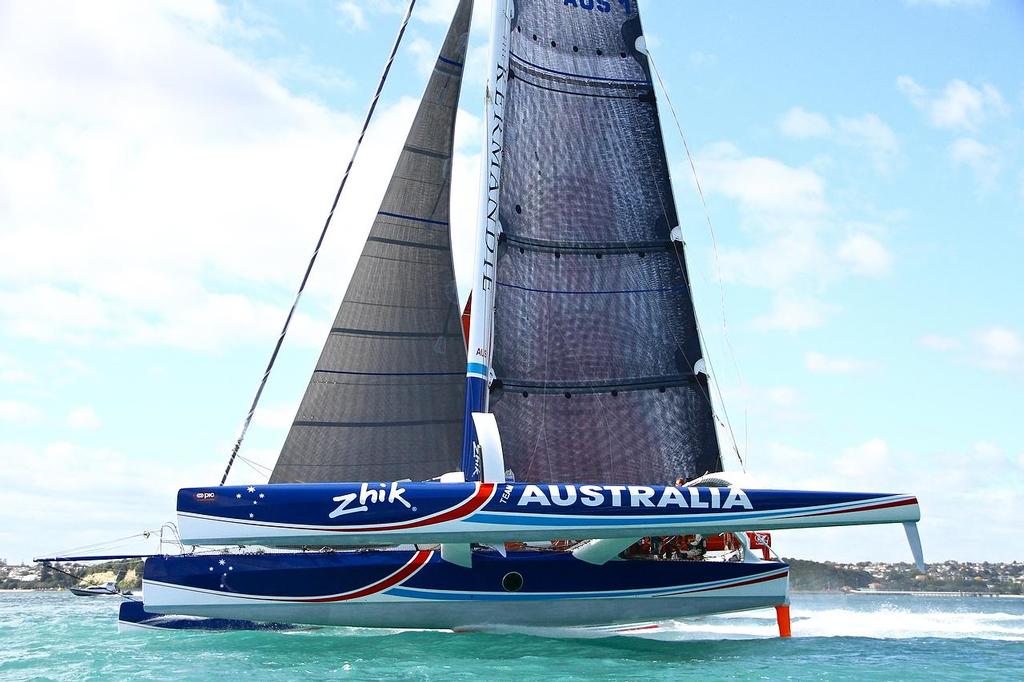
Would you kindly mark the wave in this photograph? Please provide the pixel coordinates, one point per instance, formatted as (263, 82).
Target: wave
(884, 621)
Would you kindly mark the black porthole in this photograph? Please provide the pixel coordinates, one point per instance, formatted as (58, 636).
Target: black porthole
(598, 256)
(622, 54)
(554, 44)
(557, 255)
(519, 209)
(522, 250)
(512, 582)
(568, 395)
(643, 255)
(526, 394)
(661, 389)
(534, 36)
(615, 394)
(600, 52)
(575, 48)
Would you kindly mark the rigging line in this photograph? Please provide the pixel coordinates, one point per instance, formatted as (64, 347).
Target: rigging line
(105, 543)
(262, 469)
(714, 247)
(320, 241)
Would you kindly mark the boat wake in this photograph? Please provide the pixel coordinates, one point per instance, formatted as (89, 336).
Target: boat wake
(876, 622)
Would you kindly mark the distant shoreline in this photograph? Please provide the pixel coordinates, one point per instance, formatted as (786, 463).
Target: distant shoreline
(937, 593)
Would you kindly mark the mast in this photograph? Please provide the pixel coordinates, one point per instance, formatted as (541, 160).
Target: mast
(481, 326)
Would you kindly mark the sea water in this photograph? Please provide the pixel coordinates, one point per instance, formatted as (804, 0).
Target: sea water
(836, 637)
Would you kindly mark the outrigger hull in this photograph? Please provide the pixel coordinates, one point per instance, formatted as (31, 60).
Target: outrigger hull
(358, 514)
(417, 589)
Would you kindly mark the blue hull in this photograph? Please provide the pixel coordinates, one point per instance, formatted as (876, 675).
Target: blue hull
(133, 615)
(416, 588)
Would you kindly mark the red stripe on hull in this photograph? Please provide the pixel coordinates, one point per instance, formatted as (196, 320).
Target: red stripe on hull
(886, 505)
(418, 561)
(478, 500)
(762, 579)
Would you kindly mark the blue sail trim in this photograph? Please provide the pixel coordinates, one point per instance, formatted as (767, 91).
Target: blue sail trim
(582, 76)
(413, 218)
(451, 62)
(612, 292)
(389, 374)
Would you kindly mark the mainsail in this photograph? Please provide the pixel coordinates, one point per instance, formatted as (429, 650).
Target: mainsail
(597, 360)
(386, 399)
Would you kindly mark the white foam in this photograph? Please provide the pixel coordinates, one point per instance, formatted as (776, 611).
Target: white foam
(881, 622)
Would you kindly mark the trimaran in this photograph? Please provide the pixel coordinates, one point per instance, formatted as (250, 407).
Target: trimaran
(522, 487)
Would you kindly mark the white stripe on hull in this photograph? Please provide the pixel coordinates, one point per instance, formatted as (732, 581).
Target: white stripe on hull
(389, 611)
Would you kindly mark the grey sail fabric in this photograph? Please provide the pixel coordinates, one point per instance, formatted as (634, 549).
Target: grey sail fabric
(597, 357)
(387, 397)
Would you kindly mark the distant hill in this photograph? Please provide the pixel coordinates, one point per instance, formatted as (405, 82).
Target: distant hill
(946, 576)
(127, 574)
(814, 576)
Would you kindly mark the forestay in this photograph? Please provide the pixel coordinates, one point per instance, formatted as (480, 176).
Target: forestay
(598, 364)
(387, 397)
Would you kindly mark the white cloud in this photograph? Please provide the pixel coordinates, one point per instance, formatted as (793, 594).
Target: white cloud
(12, 372)
(996, 348)
(83, 417)
(1000, 349)
(865, 255)
(160, 189)
(278, 417)
(794, 313)
(425, 53)
(352, 16)
(796, 242)
(981, 159)
(433, 11)
(46, 486)
(823, 364)
(879, 465)
(940, 343)
(17, 412)
(960, 106)
(870, 133)
(761, 185)
(867, 460)
(800, 123)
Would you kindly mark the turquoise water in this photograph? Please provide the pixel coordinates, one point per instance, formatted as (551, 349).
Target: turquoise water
(836, 637)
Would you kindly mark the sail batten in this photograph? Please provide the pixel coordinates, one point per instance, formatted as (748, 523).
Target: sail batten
(597, 357)
(386, 399)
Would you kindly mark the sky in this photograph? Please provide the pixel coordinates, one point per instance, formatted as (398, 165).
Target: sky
(165, 168)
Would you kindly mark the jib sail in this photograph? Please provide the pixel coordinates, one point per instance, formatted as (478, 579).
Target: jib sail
(385, 401)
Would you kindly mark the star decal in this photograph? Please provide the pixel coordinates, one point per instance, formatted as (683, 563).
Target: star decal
(238, 496)
(221, 562)
(262, 496)
(250, 516)
(251, 489)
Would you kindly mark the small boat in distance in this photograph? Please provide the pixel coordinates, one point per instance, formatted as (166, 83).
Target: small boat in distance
(107, 589)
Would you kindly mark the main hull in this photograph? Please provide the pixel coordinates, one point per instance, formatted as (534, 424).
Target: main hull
(417, 589)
